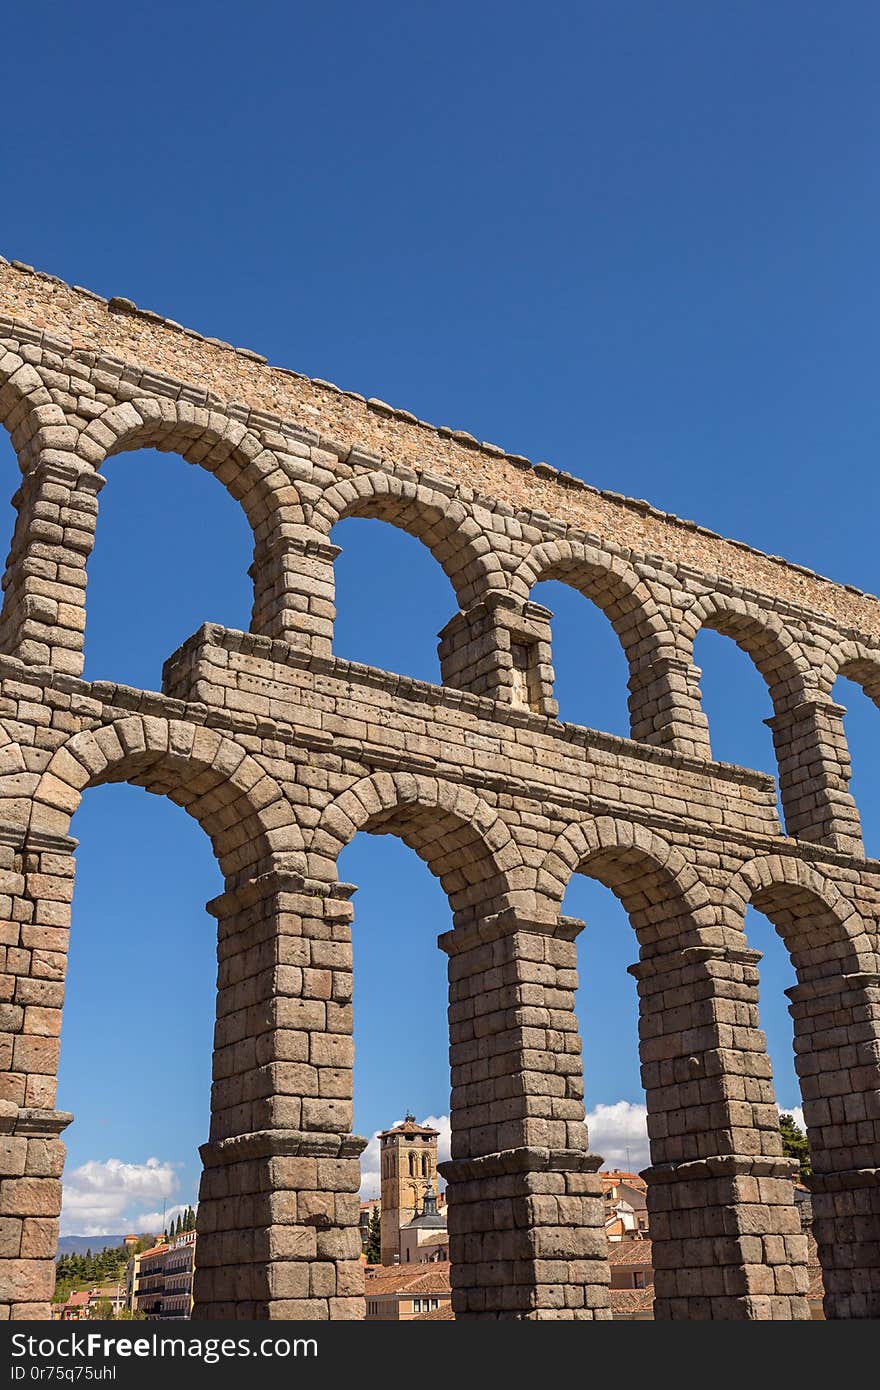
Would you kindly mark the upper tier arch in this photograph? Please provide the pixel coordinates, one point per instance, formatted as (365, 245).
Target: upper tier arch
(442, 523)
(612, 584)
(760, 633)
(462, 839)
(223, 446)
(241, 807)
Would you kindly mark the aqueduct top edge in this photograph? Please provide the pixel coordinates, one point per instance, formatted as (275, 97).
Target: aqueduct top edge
(81, 321)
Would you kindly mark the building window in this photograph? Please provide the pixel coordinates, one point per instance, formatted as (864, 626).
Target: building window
(638, 1279)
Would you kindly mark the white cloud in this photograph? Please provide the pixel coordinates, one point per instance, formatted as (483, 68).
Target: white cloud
(797, 1114)
(619, 1132)
(107, 1198)
(152, 1222)
(370, 1162)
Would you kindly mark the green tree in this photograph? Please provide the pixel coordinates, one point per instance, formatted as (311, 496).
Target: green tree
(103, 1310)
(374, 1238)
(794, 1144)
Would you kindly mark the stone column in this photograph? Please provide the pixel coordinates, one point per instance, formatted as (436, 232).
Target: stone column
(501, 649)
(36, 889)
(814, 773)
(43, 618)
(837, 1047)
(665, 706)
(31, 1162)
(278, 1233)
(294, 591)
(727, 1240)
(526, 1216)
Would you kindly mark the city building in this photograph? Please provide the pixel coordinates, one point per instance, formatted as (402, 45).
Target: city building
(149, 1286)
(74, 1310)
(180, 1264)
(366, 1211)
(114, 1294)
(400, 1294)
(631, 1264)
(626, 1204)
(408, 1172)
(425, 1239)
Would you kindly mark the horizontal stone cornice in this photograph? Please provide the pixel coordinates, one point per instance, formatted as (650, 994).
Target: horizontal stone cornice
(326, 898)
(722, 1166)
(281, 1143)
(845, 1180)
(692, 956)
(528, 1159)
(505, 924)
(807, 990)
(32, 1123)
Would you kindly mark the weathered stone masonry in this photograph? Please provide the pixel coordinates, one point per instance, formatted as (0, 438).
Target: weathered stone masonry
(282, 752)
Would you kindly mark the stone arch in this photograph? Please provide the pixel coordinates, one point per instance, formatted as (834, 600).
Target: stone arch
(225, 447)
(240, 807)
(463, 840)
(664, 898)
(459, 545)
(822, 931)
(27, 411)
(836, 1050)
(858, 662)
(610, 583)
(761, 634)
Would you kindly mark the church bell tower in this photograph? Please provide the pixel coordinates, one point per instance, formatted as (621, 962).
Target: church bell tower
(409, 1171)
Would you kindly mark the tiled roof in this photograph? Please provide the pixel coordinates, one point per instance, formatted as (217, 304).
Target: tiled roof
(409, 1126)
(625, 1301)
(613, 1176)
(630, 1252)
(408, 1280)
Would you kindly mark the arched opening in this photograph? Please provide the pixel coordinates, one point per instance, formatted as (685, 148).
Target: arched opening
(589, 664)
(691, 987)
(859, 693)
(392, 598)
(737, 703)
(827, 948)
(607, 1009)
(629, 611)
(469, 849)
(142, 599)
(735, 700)
(401, 1034)
(139, 1015)
(636, 1117)
(777, 978)
(247, 817)
(10, 480)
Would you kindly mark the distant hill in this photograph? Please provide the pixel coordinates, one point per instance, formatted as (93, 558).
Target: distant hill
(78, 1245)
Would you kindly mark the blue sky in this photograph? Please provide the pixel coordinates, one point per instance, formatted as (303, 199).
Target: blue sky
(638, 241)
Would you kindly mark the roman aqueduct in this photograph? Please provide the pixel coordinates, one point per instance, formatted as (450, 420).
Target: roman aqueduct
(282, 752)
